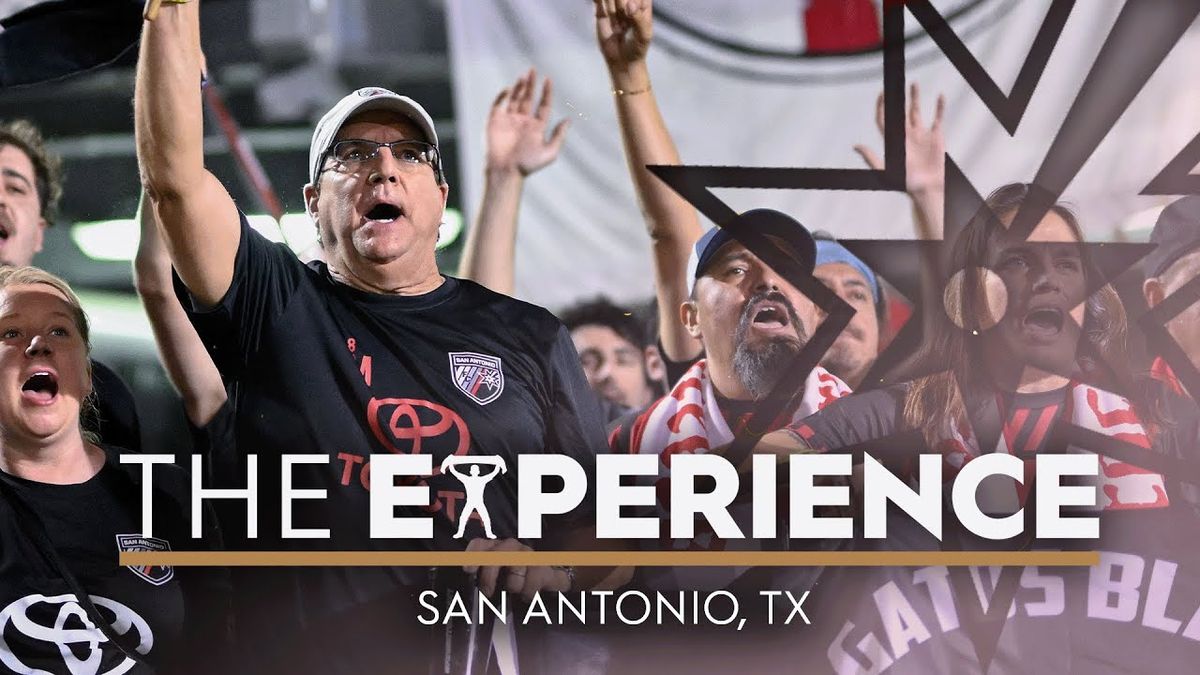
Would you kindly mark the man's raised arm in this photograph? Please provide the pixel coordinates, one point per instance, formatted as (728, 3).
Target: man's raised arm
(623, 31)
(199, 220)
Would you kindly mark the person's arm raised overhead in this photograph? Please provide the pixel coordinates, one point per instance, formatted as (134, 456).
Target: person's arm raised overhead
(183, 355)
(199, 220)
(624, 29)
(517, 146)
(925, 169)
(925, 165)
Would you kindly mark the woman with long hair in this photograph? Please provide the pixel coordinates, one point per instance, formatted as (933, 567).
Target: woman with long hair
(1019, 317)
(1029, 330)
(1032, 343)
(68, 508)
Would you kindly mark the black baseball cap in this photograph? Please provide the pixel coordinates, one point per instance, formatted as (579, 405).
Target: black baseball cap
(1177, 234)
(796, 241)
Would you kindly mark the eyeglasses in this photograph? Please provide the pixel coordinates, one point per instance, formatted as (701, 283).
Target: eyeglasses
(410, 155)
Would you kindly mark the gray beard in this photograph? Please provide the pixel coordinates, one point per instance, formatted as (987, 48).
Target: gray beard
(761, 369)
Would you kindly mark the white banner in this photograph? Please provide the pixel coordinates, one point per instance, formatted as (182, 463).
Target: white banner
(736, 89)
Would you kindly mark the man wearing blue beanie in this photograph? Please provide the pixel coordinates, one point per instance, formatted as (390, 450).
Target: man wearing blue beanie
(855, 350)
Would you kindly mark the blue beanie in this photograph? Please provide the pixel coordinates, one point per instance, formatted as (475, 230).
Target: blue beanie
(830, 251)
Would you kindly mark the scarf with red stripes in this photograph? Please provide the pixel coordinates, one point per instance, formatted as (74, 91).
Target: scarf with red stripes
(688, 420)
(1121, 485)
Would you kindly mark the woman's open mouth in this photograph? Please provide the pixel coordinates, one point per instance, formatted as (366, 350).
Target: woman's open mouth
(1044, 321)
(41, 388)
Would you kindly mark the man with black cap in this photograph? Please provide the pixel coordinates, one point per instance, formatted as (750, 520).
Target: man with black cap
(371, 351)
(1175, 262)
(624, 32)
(752, 324)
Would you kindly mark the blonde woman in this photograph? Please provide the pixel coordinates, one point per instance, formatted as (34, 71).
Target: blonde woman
(68, 507)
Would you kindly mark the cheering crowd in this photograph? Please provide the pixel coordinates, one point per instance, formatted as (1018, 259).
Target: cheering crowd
(1025, 350)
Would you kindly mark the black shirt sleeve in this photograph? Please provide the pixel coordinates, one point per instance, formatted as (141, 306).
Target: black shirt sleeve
(116, 419)
(575, 426)
(265, 279)
(675, 369)
(854, 421)
(221, 346)
(216, 443)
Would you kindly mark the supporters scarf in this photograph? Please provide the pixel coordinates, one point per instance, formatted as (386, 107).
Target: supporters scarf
(1121, 485)
(689, 420)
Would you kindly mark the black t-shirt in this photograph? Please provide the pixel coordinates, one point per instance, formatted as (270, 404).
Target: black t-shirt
(323, 368)
(117, 424)
(170, 616)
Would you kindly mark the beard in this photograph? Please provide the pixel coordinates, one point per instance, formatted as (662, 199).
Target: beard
(760, 367)
(847, 360)
(839, 359)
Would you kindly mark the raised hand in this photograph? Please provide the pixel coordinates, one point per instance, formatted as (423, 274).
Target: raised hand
(516, 133)
(924, 148)
(624, 29)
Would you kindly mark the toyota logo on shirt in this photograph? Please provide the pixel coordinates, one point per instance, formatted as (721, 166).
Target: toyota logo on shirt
(64, 630)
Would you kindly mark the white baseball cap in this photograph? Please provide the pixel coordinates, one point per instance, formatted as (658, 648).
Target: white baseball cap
(363, 100)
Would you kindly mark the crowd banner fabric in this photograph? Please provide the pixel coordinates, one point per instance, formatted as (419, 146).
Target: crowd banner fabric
(769, 83)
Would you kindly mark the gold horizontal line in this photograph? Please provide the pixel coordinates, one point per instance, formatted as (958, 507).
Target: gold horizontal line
(609, 558)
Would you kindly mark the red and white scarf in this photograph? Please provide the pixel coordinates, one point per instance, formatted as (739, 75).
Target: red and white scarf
(1121, 485)
(688, 420)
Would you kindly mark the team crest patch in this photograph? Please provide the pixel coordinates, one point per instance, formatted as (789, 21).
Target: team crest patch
(136, 543)
(477, 375)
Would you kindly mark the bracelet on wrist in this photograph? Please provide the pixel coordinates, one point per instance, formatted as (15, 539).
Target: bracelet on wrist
(150, 12)
(631, 92)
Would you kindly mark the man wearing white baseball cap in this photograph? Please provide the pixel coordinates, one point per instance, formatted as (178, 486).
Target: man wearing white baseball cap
(368, 99)
(373, 351)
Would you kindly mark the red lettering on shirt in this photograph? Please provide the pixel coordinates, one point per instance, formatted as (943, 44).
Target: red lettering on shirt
(348, 467)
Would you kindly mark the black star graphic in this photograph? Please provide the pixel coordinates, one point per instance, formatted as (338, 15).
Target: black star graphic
(1142, 35)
